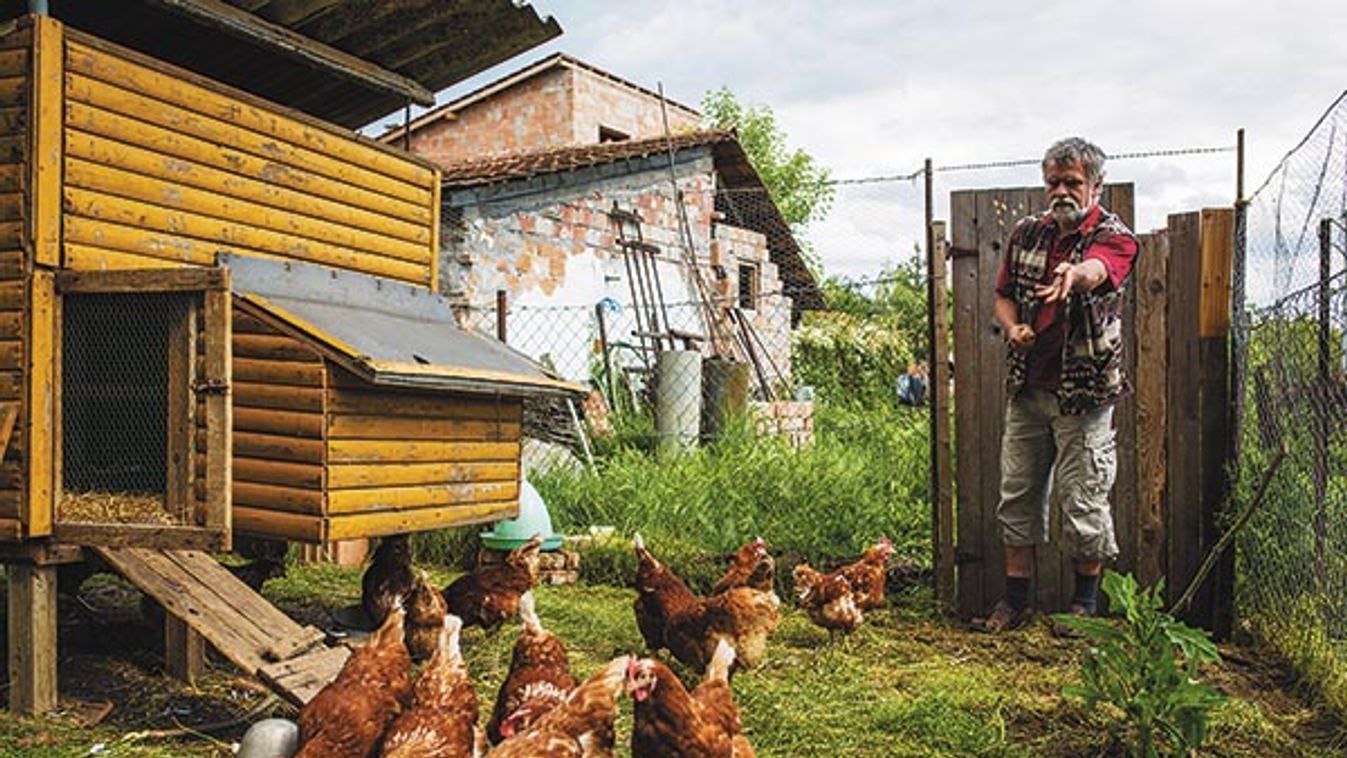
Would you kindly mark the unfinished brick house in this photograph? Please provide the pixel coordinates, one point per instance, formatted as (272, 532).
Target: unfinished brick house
(542, 226)
(558, 101)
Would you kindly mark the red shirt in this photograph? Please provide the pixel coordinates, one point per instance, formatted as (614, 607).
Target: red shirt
(1043, 364)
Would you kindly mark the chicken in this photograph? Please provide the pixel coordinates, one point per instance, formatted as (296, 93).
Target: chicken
(441, 721)
(539, 677)
(827, 599)
(388, 579)
(669, 615)
(425, 618)
(490, 596)
(670, 722)
(752, 566)
(348, 716)
(868, 575)
(582, 726)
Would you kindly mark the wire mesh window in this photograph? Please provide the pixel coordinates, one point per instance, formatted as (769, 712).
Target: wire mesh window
(125, 373)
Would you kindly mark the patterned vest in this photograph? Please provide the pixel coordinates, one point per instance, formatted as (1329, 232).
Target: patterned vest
(1092, 350)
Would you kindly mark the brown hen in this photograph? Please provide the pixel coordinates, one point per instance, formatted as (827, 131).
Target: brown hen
(827, 599)
(752, 566)
(539, 679)
(868, 575)
(489, 597)
(670, 722)
(441, 721)
(348, 716)
(669, 615)
(388, 579)
(425, 618)
(582, 726)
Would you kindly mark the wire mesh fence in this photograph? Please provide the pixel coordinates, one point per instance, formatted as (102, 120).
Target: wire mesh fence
(1292, 349)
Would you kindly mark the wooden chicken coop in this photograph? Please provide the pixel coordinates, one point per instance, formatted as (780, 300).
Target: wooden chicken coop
(218, 305)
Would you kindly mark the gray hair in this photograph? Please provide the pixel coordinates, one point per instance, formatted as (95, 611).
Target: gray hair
(1073, 150)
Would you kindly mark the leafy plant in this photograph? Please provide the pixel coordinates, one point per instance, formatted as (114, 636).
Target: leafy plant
(1147, 667)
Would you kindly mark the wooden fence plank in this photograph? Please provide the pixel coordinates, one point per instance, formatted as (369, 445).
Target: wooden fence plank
(1184, 528)
(967, 386)
(1152, 377)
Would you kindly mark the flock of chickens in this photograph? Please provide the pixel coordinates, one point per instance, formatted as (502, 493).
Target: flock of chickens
(375, 708)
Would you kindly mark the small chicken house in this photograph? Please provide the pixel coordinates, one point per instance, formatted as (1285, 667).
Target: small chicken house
(217, 303)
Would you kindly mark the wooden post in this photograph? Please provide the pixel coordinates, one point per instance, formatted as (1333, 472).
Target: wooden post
(40, 430)
(32, 638)
(219, 410)
(1218, 246)
(942, 488)
(46, 109)
(502, 302)
(184, 650)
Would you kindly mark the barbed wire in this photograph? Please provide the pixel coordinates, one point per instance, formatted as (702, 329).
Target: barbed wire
(1022, 162)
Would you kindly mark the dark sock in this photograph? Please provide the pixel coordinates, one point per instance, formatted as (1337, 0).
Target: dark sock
(1017, 592)
(1087, 592)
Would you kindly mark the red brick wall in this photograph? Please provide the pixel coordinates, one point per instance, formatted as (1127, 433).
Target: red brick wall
(600, 101)
(533, 115)
(561, 106)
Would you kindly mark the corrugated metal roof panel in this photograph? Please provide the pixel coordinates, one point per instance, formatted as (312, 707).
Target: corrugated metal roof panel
(436, 43)
(389, 333)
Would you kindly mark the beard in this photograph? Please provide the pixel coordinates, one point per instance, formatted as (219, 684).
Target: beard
(1067, 212)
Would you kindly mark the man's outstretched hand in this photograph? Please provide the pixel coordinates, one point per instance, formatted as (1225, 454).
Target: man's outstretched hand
(1020, 336)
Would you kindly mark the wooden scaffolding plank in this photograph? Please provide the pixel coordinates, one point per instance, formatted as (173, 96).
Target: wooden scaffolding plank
(238, 622)
(299, 679)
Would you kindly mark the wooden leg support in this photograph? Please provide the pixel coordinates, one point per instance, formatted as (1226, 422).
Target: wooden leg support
(184, 650)
(32, 638)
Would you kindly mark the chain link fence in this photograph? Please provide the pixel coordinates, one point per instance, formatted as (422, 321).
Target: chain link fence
(1291, 349)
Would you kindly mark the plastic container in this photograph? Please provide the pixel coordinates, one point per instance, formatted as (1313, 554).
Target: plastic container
(533, 519)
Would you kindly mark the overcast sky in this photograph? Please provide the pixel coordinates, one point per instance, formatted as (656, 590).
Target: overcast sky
(871, 88)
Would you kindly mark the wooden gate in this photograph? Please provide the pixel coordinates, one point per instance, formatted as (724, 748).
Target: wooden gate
(1174, 421)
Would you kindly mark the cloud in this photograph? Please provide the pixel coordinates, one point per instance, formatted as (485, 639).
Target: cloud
(872, 88)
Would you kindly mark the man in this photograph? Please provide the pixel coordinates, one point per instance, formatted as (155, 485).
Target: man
(1059, 304)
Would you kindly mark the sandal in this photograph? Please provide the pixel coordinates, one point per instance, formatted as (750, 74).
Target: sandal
(1062, 631)
(1003, 618)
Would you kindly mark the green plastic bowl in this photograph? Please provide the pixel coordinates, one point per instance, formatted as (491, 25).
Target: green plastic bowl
(533, 519)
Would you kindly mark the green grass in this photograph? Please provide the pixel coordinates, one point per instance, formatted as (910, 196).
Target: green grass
(863, 478)
(905, 684)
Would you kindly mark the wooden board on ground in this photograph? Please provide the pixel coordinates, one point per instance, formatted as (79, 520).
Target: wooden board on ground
(234, 619)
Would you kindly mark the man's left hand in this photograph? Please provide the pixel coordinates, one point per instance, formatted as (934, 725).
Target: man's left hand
(1064, 281)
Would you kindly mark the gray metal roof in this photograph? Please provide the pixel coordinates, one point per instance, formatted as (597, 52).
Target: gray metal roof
(389, 333)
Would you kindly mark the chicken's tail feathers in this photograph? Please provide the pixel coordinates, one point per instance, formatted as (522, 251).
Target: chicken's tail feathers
(721, 661)
(449, 648)
(613, 676)
(528, 612)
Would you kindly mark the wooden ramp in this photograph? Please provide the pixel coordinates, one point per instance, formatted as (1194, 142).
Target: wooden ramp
(241, 624)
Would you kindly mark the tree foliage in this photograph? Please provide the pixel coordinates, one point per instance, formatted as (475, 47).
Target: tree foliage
(796, 182)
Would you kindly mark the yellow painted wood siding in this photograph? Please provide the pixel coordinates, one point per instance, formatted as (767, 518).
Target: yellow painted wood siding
(15, 57)
(278, 429)
(165, 168)
(393, 452)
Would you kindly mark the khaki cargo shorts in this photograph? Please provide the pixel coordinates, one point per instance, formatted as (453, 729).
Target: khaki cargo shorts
(1047, 456)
